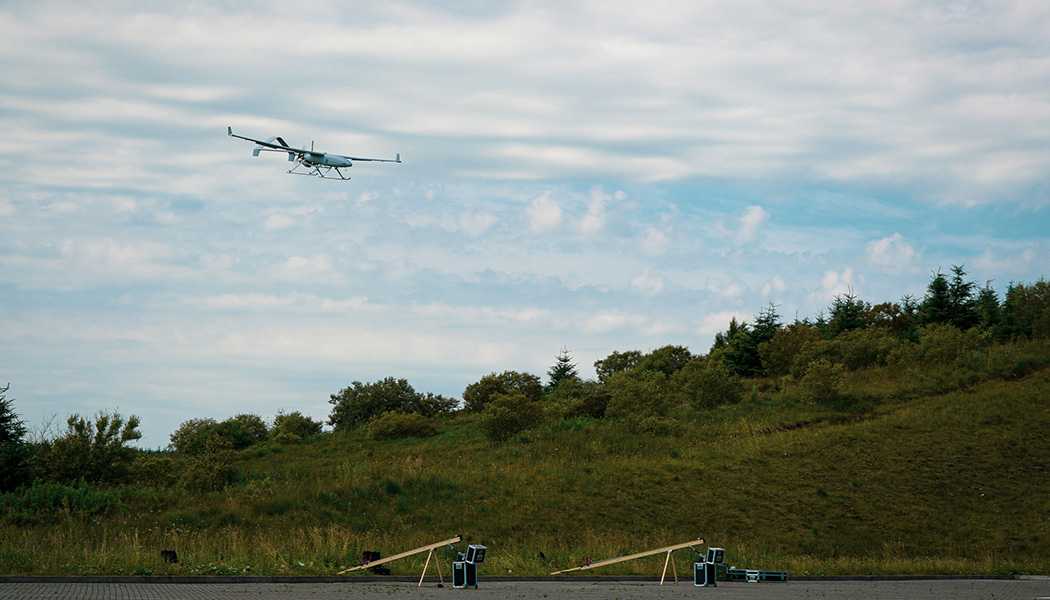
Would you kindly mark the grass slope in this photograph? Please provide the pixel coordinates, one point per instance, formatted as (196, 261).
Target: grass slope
(947, 483)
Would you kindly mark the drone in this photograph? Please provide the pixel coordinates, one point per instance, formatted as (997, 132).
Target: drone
(310, 162)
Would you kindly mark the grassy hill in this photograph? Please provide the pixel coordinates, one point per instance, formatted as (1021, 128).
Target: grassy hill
(911, 482)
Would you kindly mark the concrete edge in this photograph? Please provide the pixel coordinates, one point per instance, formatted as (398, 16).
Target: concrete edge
(249, 579)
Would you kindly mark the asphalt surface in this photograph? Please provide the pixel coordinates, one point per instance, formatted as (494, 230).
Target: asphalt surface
(858, 590)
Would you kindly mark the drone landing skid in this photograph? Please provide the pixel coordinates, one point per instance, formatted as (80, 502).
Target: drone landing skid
(320, 171)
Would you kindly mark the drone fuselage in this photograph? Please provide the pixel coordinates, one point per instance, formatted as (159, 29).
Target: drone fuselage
(326, 160)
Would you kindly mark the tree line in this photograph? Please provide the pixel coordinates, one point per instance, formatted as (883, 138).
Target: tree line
(956, 334)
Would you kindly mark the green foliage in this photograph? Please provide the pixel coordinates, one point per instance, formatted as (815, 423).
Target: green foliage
(576, 398)
(44, 500)
(653, 425)
(14, 452)
(193, 436)
(507, 415)
(1025, 311)
(155, 469)
(395, 424)
(666, 359)
(638, 394)
(296, 424)
(780, 352)
(564, 369)
(243, 431)
(822, 382)
(362, 402)
(945, 346)
(950, 301)
(477, 395)
(617, 362)
(707, 384)
(847, 313)
(94, 451)
(211, 469)
(856, 349)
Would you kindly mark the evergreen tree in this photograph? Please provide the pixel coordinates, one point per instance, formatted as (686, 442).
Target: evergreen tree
(987, 307)
(962, 304)
(848, 312)
(14, 452)
(936, 305)
(564, 368)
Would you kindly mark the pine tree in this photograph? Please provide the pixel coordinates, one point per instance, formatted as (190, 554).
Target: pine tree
(987, 307)
(14, 453)
(961, 301)
(563, 368)
(936, 305)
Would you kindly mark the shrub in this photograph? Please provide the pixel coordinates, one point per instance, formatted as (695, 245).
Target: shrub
(287, 437)
(780, 352)
(575, 398)
(638, 394)
(393, 425)
(707, 384)
(212, 469)
(479, 394)
(667, 360)
(243, 430)
(155, 469)
(945, 345)
(94, 451)
(507, 415)
(295, 423)
(362, 402)
(822, 382)
(192, 436)
(46, 498)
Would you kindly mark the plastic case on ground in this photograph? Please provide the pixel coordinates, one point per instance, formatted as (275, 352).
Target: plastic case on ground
(704, 574)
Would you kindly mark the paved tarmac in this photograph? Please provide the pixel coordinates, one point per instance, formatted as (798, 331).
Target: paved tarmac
(849, 590)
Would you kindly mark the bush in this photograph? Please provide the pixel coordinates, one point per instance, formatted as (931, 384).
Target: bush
(638, 394)
(92, 451)
(212, 469)
(617, 362)
(393, 425)
(707, 384)
(944, 345)
(155, 469)
(822, 382)
(192, 436)
(667, 360)
(287, 437)
(780, 352)
(362, 402)
(479, 394)
(44, 498)
(575, 398)
(507, 415)
(295, 423)
(243, 431)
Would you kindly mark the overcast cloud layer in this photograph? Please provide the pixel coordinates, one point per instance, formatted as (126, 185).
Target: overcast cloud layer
(598, 178)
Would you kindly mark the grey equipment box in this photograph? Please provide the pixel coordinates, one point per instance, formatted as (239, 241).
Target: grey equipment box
(704, 574)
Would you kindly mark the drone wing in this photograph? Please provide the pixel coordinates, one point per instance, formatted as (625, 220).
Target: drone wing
(280, 147)
(393, 160)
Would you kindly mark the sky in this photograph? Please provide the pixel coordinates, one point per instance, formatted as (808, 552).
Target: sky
(596, 176)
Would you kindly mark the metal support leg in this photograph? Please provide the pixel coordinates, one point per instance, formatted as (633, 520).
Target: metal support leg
(425, 565)
(674, 569)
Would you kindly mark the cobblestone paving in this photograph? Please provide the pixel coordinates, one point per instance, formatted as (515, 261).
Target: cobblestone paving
(849, 590)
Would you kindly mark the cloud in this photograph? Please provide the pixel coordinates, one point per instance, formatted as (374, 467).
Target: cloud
(475, 224)
(594, 220)
(834, 284)
(750, 223)
(278, 221)
(655, 241)
(773, 286)
(316, 268)
(543, 213)
(892, 253)
(648, 283)
(719, 321)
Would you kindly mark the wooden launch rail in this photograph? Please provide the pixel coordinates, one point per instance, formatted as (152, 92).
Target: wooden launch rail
(665, 549)
(429, 548)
